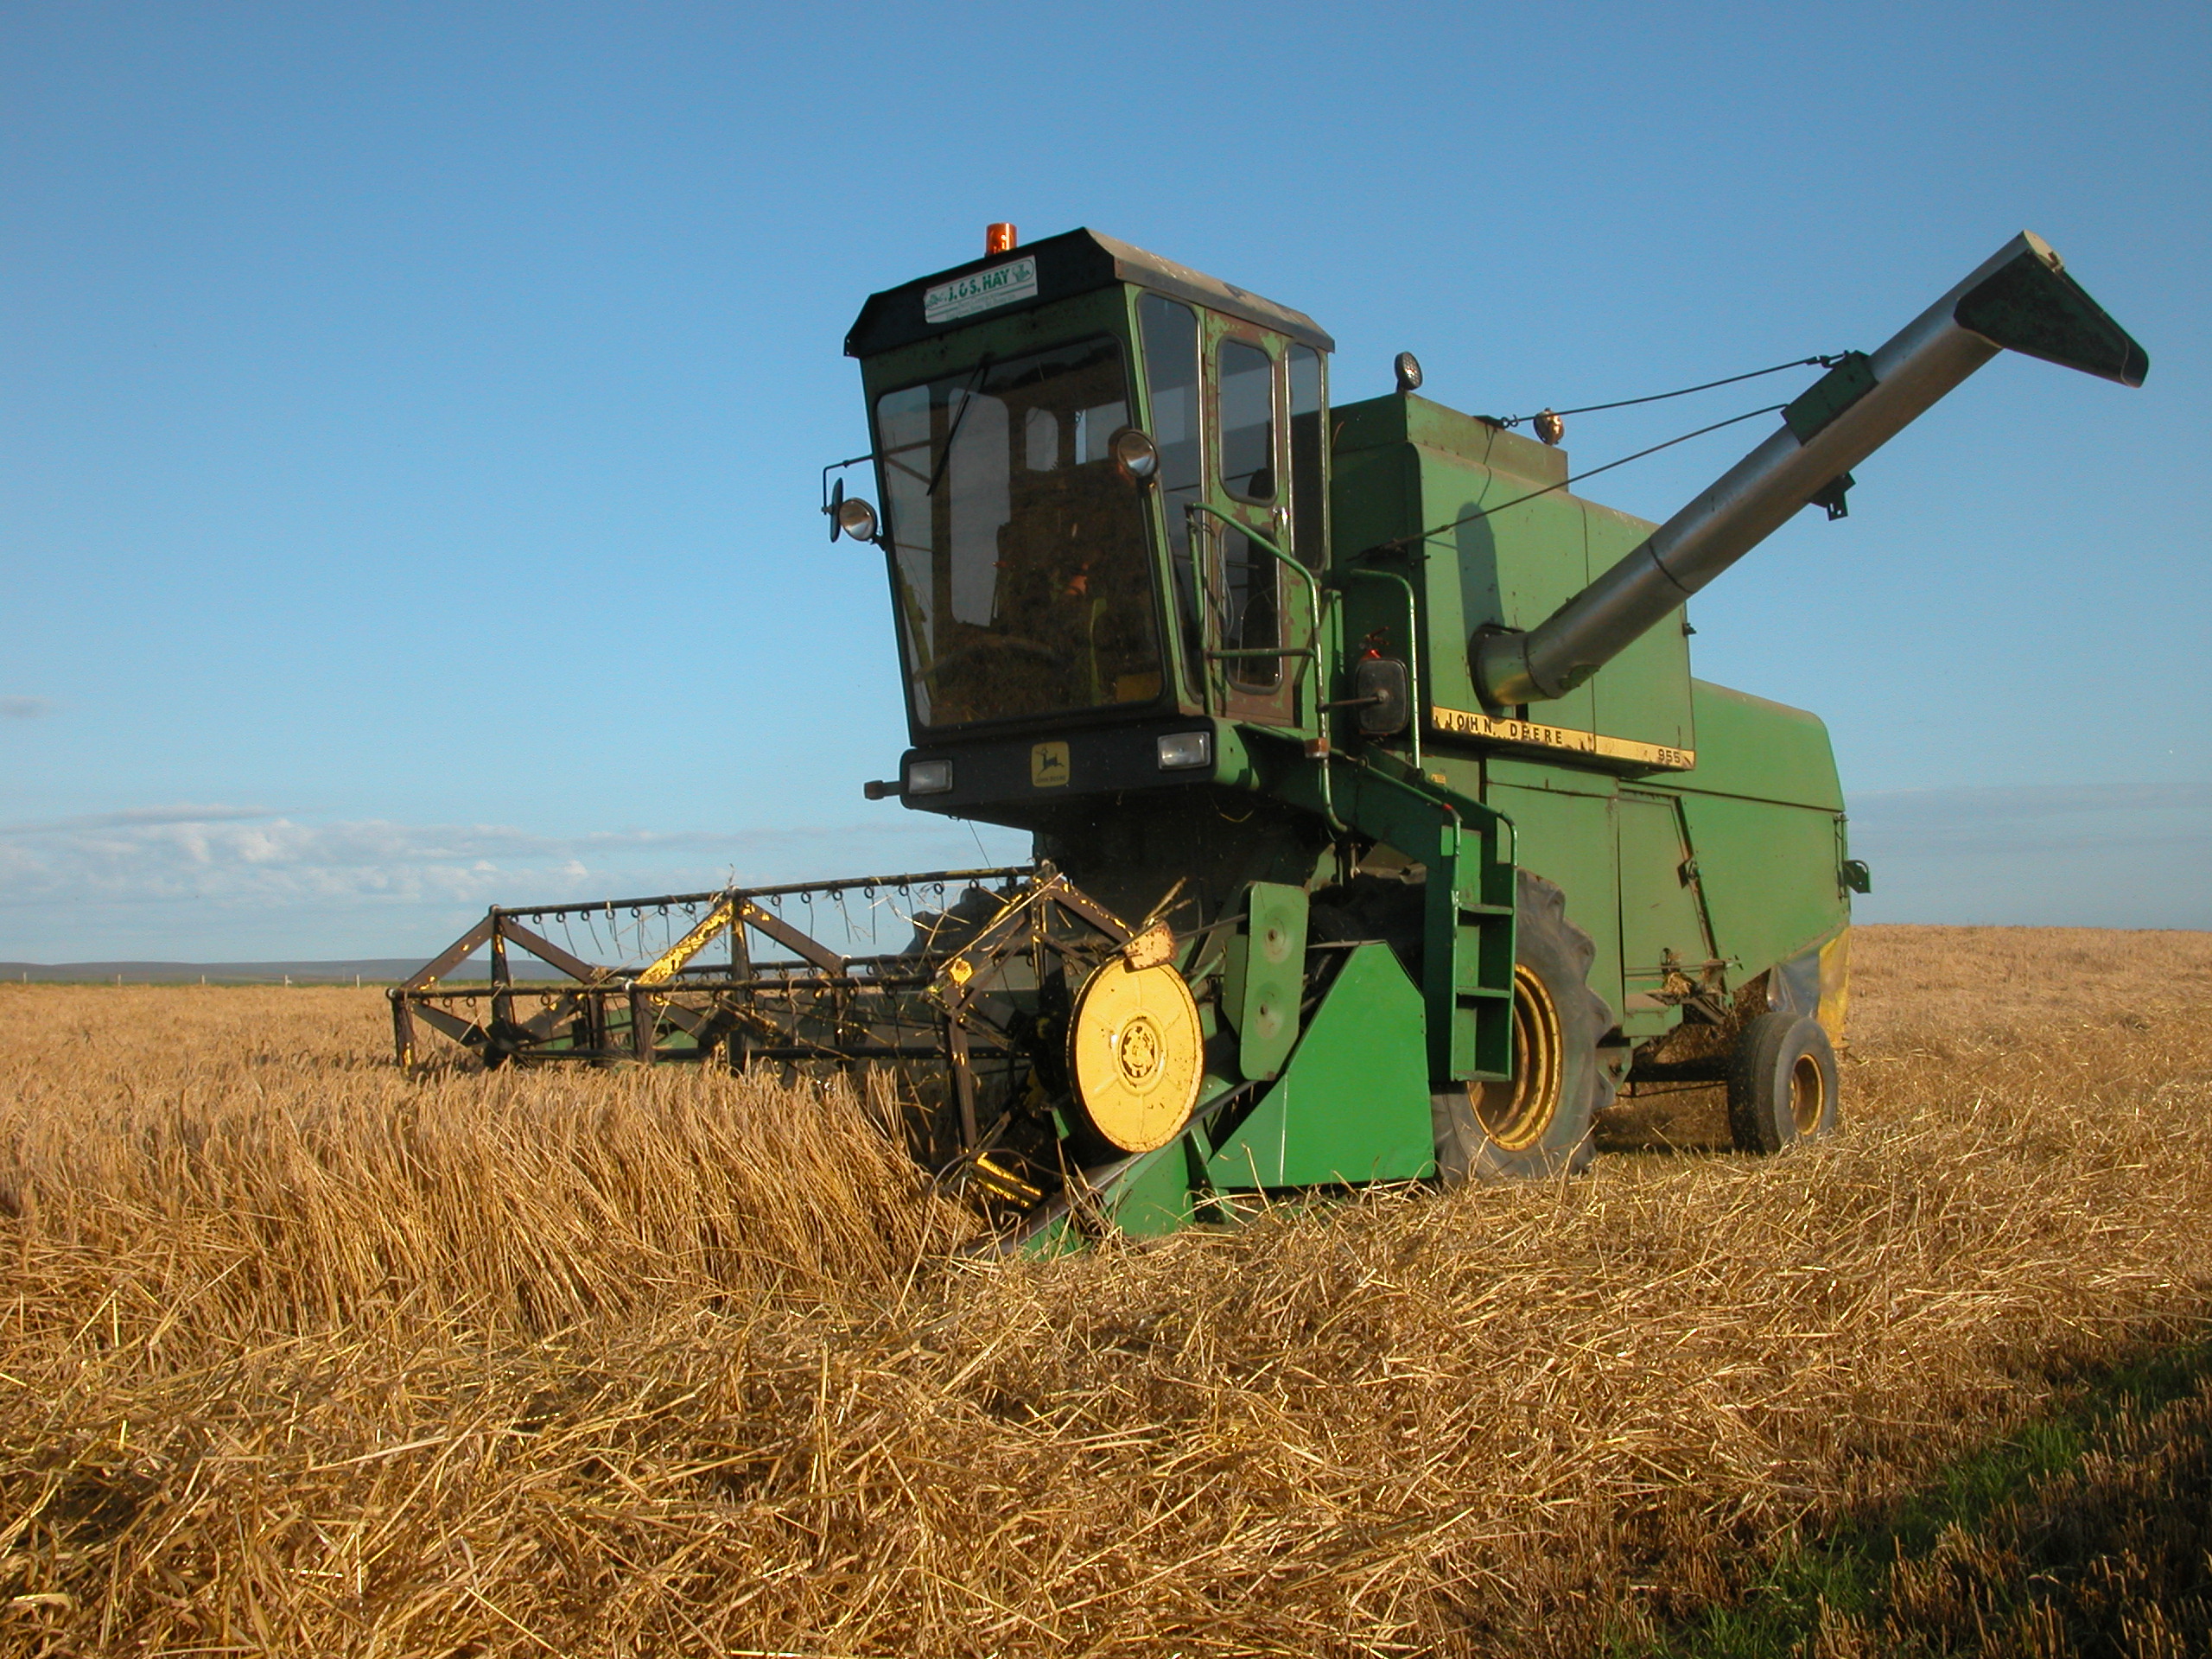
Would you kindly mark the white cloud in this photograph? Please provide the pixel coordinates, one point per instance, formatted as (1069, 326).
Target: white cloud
(136, 816)
(237, 853)
(214, 881)
(2122, 855)
(24, 708)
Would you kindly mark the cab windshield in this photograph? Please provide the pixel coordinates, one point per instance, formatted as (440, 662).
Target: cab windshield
(1017, 549)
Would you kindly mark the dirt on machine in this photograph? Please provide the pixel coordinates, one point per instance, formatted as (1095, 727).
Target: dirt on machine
(1380, 830)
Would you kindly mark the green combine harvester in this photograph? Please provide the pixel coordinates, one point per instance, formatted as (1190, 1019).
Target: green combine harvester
(1381, 832)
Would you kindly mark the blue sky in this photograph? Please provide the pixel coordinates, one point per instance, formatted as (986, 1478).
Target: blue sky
(414, 414)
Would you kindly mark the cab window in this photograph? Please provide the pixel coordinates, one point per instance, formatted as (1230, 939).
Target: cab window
(1309, 506)
(1248, 421)
(1020, 553)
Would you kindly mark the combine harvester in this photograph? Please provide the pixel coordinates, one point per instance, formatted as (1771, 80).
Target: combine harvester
(1381, 831)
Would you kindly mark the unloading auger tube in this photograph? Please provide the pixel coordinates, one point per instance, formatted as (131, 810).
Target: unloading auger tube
(2021, 299)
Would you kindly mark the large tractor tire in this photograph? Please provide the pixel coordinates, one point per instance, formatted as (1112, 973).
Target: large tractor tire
(1565, 1067)
(1782, 1083)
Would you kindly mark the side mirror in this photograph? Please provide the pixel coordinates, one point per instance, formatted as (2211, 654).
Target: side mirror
(1384, 692)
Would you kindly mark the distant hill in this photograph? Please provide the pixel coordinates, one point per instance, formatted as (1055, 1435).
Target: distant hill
(369, 971)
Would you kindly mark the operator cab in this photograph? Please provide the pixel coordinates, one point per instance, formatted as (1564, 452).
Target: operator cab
(1104, 483)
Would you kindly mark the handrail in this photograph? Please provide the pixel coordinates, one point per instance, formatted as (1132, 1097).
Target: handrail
(1313, 591)
(1315, 750)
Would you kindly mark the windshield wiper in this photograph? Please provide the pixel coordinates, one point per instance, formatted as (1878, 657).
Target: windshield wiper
(967, 397)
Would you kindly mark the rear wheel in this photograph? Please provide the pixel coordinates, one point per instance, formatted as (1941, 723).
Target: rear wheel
(1782, 1083)
(1539, 1123)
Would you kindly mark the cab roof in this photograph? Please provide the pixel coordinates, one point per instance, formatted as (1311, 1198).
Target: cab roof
(1075, 262)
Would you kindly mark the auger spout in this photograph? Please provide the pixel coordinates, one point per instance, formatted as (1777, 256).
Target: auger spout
(2021, 299)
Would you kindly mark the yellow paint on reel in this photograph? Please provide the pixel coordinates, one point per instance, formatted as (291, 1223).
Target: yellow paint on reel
(1136, 1053)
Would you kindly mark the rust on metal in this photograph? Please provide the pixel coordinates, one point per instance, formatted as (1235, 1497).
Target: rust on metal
(1151, 948)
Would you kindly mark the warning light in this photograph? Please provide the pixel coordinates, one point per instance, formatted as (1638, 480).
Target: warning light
(998, 238)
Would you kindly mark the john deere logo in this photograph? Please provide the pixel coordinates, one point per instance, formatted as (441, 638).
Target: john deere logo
(1048, 766)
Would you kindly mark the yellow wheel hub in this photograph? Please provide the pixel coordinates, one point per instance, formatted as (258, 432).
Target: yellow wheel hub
(1516, 1114)
(1808, 1094)
(1136, 1051)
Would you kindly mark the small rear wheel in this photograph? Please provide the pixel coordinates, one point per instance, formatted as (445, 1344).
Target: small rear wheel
(1782, 1083)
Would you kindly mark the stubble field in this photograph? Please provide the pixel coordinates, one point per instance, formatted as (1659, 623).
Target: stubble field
(298, 1356)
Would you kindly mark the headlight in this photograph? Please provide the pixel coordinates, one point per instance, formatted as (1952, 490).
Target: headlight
(1185, 751)
(856, 519)
(1134, 454)
(928, 777)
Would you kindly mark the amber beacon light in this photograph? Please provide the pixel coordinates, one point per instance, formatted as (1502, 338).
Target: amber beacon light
(998, 238)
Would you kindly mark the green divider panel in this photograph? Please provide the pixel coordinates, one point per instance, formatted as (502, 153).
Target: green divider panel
(1273, 979)
(1352, 1104)
(1155, 1195)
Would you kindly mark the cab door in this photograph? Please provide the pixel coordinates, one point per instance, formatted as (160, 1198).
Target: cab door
(1258, 624)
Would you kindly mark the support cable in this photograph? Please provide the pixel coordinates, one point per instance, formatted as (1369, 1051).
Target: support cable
(1402, 544)
(1827, 361)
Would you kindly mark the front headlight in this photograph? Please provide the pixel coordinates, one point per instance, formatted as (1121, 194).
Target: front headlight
(1136, 454)
(929, 776)
(1185, 751)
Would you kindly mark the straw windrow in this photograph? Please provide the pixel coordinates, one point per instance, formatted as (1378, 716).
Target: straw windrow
(296, 1357)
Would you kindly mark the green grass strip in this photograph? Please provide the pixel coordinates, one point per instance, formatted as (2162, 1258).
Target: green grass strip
(1847, 1568)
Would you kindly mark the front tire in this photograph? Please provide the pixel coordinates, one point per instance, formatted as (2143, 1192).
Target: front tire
(1783, 1085)
(1537, 1124)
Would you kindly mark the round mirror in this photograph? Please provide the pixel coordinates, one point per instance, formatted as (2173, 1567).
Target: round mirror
(1135, 456)
(856, 519)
